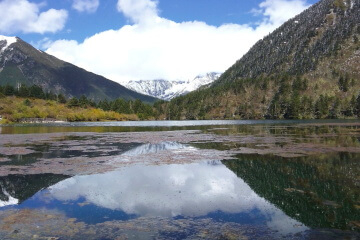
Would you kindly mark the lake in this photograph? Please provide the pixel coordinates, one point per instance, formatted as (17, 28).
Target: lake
(181, 180)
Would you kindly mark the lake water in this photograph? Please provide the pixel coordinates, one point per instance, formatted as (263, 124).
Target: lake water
(181, 180)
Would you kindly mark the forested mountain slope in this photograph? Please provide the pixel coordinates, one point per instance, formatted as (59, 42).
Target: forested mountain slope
(20, 63)
(307, 68)
(300, 44)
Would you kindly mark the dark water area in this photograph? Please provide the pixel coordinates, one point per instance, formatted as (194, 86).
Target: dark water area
(181, 180)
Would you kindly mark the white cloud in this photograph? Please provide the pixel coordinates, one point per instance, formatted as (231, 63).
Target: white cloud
(279, 11)
(42, 43)
(89, 6)
(24, 16)
(138, 10)
(154, 47)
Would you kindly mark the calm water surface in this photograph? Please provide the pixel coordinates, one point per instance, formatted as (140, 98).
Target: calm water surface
(129, 126)
(181, 180)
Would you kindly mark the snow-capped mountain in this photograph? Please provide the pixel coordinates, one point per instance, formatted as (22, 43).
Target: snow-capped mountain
(167, 90)
(5, 42)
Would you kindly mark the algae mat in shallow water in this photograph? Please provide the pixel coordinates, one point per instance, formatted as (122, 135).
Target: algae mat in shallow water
(259, 181)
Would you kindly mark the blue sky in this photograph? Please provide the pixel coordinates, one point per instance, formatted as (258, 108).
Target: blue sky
(190, 34)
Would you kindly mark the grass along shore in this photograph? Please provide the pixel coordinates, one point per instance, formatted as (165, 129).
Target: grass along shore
(16, 109)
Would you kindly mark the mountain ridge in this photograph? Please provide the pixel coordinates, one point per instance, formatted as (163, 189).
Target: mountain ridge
(20, 63)
(167, 90)
(318, 37)
(307, 68)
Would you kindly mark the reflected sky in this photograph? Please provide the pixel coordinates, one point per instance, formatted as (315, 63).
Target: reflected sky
(187, 190)
(197, 190)
(164, 180)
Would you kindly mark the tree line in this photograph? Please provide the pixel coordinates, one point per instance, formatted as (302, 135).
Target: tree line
(141, 109)
(290, 102)
(275, 97)
(33, 91)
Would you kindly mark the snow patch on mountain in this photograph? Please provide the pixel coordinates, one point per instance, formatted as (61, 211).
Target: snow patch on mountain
(167, 90)
(5, 42)
(10, 201)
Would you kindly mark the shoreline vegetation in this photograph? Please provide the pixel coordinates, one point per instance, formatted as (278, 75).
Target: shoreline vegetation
(20, 110)
(276, 97)
(33, 105)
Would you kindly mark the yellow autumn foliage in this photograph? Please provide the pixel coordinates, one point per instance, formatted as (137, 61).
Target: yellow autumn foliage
(15, 109)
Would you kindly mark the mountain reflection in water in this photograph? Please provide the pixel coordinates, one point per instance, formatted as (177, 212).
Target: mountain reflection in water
(17, 188)
(187, 190)
(156, 148)
(321, 191)
(279, 194)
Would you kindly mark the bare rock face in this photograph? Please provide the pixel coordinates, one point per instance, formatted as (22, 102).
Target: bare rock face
(12, 57)
(2, 44)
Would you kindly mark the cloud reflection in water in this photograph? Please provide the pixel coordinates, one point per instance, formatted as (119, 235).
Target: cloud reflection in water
(192, 190)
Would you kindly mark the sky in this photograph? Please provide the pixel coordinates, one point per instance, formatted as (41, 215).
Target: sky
(146, 39)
